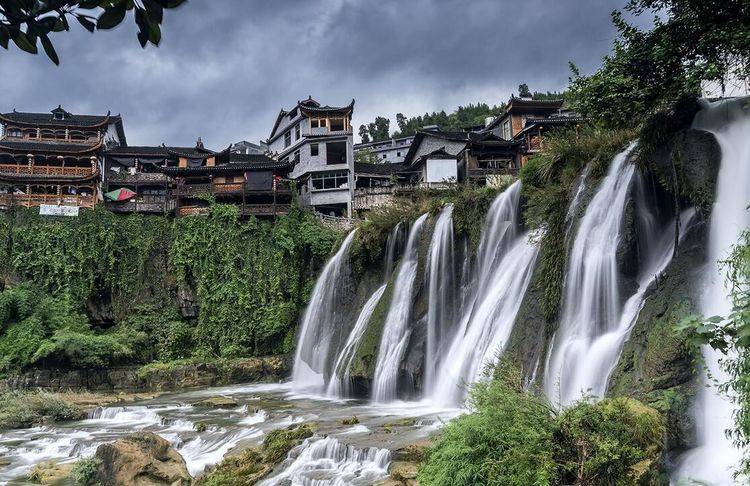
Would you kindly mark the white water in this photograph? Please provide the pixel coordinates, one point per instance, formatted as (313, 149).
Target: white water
(338, 385)
(442, 291)
(592, 302)
(595, 321)
(328, 462)
(321, 322)
(716, 457)
(504, 266)
(396, 329)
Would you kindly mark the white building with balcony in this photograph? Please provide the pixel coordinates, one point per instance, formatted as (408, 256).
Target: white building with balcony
(391, 151)
(318, 140)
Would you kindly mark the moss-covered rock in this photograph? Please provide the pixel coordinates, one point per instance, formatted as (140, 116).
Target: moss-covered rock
(51, 473)
(657, 365)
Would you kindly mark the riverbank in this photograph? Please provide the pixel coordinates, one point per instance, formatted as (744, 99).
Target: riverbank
(154, 377)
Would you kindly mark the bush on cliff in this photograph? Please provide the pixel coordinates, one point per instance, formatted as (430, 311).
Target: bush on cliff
(512, 436)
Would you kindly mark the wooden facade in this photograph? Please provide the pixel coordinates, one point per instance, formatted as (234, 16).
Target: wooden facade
(53, 158)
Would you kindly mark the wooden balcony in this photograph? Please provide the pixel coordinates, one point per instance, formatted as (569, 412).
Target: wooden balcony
(228, 188)
(143, 204)
(483, 173)
(138, 178)
(46, 170)
(36, 200)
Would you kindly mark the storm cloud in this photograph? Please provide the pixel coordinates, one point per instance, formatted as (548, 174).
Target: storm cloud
(226, 67)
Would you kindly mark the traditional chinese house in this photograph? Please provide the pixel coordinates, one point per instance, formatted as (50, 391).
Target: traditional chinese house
(52, 159)
(255, 183)
(134, 180)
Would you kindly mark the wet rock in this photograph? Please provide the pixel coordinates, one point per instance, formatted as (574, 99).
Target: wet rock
(350, 421)
(413, 452)
(187, 301)
(404, 472)
(141, 459)
(50, 472)
(217, 402)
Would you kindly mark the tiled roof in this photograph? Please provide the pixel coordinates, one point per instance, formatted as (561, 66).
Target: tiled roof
(47, 147)
(160, 151)
(80, 121)
(378, 169)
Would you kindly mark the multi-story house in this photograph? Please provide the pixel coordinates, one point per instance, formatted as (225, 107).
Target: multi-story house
(391, 151)
(245, 147)
(318, 141)
(52, 160)
(182, 180)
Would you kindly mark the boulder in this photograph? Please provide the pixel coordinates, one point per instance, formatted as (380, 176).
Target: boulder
(50, 472)
(141, 459)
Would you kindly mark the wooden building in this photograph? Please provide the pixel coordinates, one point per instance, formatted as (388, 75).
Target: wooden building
(52, 159)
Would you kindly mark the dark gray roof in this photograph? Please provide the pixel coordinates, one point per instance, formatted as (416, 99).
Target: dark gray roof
(378, 169)
(70, 120)
(47, 147)
(162, 151)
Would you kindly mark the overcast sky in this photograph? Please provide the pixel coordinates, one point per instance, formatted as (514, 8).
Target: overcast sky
(226, 67)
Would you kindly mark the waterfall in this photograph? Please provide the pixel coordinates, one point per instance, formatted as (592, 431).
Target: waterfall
(321, 322)
(338, 386)
(595, 321)
(442, 291)
(392, 246)
(505, 261)
(716, 456)
(396, 330)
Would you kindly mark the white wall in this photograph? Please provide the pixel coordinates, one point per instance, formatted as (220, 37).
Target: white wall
(441, 170)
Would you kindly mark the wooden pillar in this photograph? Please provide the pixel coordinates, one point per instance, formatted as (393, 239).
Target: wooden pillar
(244, 202)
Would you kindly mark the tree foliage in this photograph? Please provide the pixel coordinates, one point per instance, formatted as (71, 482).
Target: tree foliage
(691, 41)
(28, 23)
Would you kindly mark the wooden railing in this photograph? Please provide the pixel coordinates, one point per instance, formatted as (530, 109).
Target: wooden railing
(35, 200)
(480, 173)
(336, 222)
(45, 170)
(227, 188)
(138, 178)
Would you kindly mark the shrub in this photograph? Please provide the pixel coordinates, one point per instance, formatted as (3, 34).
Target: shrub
(25, 409)
(507, 439)
(86, 471)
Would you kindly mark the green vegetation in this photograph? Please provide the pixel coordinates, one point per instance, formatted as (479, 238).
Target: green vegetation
(26, 409)
(103, 289)
(86, 471)
(513, 437)
(691, 41)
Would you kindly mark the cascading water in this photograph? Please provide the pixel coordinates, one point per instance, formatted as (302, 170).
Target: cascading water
(716, 457)
(321, 322)
(396, 331)
(326, 461)
(595, 321)
(592, 298)
(504, 266)
(442, 290)
(338, 386)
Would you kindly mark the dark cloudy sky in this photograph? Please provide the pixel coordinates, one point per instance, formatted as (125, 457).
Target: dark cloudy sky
(226, 67)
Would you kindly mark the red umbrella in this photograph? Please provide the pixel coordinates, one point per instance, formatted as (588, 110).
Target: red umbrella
(122, 194)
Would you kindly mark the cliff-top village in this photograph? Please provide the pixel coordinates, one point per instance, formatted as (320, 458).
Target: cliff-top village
(62, 162)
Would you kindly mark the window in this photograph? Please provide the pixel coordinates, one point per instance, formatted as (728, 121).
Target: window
(507, 135)
(336, 153)
(15, 132)
(385, 156)
(287, 139)
(398, 154)
(329, 180)
(314, 150)
(296, 132)
(295, 157)
(315, 123)
(337, 124)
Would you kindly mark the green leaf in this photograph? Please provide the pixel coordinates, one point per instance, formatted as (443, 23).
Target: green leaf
(4, 38)
(86, 23)
(112, 17)
(49, 49)
(25, 43)
(715, 319)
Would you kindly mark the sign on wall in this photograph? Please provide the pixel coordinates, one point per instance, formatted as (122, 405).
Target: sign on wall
(54, 210)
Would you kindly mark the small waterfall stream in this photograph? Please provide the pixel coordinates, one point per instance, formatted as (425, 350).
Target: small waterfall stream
(716, 457)
(503, 270)
(396, 330)
(322, 320)
(442, 288)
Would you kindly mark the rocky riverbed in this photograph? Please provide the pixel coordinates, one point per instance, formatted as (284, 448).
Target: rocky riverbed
(353, 440)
